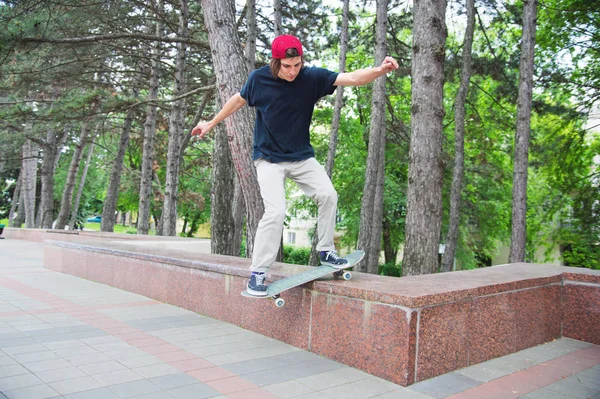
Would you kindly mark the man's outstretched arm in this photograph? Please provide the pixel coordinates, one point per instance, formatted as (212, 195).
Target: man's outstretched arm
(234, 104)
(364, 76)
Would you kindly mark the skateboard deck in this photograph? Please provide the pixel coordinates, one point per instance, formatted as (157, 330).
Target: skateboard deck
(276, 288)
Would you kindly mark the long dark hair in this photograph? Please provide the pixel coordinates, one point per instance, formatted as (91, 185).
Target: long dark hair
(276, 62)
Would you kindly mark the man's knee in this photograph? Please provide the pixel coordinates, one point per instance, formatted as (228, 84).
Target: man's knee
(327, 196)
(274, 215)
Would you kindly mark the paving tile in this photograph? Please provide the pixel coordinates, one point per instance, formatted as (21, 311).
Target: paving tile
(125, 354)
(66, 373)
(374, 386)
(590, 378)
(100, 393)
(156, 370)
(231, 385)
(192, 364)
(173, 380)
(68, 344)
(176, 356)
(33, 392)
(256, 393)
(140, 361)
(11, 370)
(405, 393)
(7, 361)
(269, 363)
(36, 356)
(576, 390)
(544, 374)
(7, 343)
(445, 385)
(163, 395)
(249, 354)
(196, 391)
(546, 394)
(17, 350)
(75, 385)
(47, 365)
(346, 391)
(210, 374)
(76, 351)
(19, 381)
(289, 389)
(347, 374)
(268, 377)
(80, 360)
(134, 388)
(319, 382)
(102, 367)
(117, 377)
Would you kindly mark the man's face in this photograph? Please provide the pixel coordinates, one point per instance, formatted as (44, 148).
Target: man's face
(290, 67)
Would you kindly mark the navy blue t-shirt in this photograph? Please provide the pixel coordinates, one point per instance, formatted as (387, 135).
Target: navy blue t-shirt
(284, 111)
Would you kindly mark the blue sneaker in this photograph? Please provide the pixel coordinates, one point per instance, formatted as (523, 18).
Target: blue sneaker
(331, 258)
(256, 285)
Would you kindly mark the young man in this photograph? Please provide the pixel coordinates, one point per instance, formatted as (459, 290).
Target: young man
(284, 95)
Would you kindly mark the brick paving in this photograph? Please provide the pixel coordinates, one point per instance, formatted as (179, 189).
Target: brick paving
(66, 337)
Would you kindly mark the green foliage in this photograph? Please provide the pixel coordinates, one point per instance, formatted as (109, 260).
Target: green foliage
(296, 255)
(390, 269)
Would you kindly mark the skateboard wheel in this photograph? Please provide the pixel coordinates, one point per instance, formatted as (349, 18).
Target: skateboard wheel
(279, 302)
(347, 276)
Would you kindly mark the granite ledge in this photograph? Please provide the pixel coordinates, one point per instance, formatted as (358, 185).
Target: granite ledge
(216, 263)
(411, 292)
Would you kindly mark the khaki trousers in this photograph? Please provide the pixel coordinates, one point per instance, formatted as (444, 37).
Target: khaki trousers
(311, 178)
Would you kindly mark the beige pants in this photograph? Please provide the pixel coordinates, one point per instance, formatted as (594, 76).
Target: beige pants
(311, 178)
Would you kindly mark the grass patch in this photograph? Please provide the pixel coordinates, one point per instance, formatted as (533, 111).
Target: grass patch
(118, 228)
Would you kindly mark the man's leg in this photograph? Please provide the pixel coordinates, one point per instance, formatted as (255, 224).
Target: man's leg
(271, 179)
(314, 182)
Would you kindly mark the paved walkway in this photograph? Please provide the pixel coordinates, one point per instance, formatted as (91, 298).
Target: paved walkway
(65, 337)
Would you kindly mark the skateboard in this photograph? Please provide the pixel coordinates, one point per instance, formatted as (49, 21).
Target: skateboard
(276, 288)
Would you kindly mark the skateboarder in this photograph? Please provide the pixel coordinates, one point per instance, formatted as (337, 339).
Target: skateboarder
(284, 94)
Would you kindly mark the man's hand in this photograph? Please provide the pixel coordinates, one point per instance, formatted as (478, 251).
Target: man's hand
(389, 64)
(201, 129)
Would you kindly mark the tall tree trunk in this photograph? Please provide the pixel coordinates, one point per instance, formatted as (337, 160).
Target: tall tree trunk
(109, 210)
(150, 131)
(459, 143)
(67, 196)
(46, 178)
(335, 120)
(251, 34)
(15, 200)
(239, 207)
(30, 156)
(82, 180)
(20, 217)
(221, 216)
(424, 196)
(176, 119)
(389, 249)
(518, 241)
(231, 73)
(369, 237)
(277, 18)
(49, 162)
(159, 195)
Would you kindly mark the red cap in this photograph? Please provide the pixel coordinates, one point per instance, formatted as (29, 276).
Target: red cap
(284, 42)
